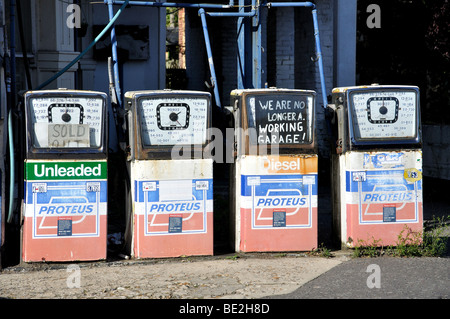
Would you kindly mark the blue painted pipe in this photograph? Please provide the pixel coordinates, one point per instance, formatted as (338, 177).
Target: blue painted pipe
(193, 5)
(232, 14)
(240, 14)
(319, 58)
(174, 5)
(202, 13)
(114, 55)
(291, 4)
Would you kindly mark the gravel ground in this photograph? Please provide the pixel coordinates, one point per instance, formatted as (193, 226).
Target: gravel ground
(244, 277)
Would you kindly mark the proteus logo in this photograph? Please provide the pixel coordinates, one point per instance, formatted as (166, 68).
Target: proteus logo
(65, 170)
(387, 197)
(65, 209)
(181, 207)
(281, 202)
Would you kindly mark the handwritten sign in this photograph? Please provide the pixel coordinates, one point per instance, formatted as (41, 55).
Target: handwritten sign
(281, 119)
(68, 135)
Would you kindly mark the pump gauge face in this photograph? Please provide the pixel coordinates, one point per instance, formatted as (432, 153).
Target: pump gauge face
(172, 116)
(384, 114)
(173, 119)
(382, 109)
(60, 122)
(69, 113)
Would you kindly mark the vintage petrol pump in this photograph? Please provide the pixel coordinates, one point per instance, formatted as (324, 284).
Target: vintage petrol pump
(171, 186)
(377, 163)
(65, 199)
(274, 177)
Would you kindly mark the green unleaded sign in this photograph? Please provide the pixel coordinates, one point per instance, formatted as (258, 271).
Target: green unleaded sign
(65, 170)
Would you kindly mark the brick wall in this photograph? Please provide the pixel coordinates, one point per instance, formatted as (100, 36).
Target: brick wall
(284, 48)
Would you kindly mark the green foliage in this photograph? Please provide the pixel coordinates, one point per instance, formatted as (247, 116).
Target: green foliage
(172, 17)
(432, 243)
(321, 251)
(409, 243)
(234, 257)
(368, 248)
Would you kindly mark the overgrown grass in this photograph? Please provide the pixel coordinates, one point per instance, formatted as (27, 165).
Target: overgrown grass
(431, 243)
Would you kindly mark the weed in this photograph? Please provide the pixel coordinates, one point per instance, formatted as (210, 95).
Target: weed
(409, 243)
(369, 249)
(432, 243)
(321, 251)
(234, 257)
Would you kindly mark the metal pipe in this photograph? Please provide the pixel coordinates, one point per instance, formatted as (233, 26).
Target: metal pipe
(245, 62)
(319, 58)
(115, 61)
(12, 101)
(232, 14)
(12, 168)
(173, 4)
(192, 5)
(240, 14)
(256, 50)
(291, 4)
(202, 13)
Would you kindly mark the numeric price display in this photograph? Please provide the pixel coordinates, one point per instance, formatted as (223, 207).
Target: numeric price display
(384, 114)
(171, 121)
(61, 122)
